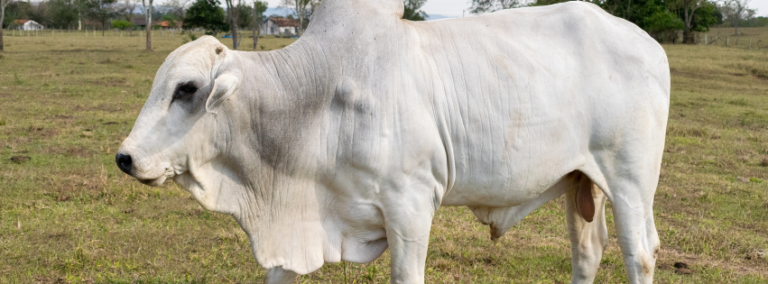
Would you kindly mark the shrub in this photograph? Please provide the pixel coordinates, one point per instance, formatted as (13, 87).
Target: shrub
(121, 24)
(663, 26)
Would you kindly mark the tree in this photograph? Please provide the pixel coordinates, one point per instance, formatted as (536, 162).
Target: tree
(175, 9)
(148, 16)
(300, 8)
(259, 7)
(63, 13)
(100, 11)
(663, 26)
(638, 12)
(244, 15)
(484, 6)
(546, 2)
(3, 4)
(206, 14)
(689, 9)
(736, 11)
(413, 10)
(232, 11)
(127, 8)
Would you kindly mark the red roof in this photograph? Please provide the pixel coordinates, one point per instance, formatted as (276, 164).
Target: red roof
(285, 22)
(20, 22)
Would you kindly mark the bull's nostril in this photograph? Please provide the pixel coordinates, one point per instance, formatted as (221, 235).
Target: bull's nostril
(124, 162)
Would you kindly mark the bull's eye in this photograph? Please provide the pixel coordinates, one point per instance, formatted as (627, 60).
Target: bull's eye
(184, 92)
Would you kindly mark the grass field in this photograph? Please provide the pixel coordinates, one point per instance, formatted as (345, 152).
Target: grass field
(68, 215)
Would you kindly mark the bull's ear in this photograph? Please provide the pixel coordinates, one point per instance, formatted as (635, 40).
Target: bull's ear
(224, 86)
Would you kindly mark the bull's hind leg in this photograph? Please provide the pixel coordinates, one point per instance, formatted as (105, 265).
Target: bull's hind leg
(585, 215)
(637, 236)
(629, 179)
(277, 275)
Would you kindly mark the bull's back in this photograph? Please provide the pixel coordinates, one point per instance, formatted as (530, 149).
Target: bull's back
(523, 95)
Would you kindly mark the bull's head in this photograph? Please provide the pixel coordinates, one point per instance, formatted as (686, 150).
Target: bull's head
(175, 133)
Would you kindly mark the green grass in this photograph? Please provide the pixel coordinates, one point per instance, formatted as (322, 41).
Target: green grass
(69, 215)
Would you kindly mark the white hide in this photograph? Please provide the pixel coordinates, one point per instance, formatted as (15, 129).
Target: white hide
(346, 142)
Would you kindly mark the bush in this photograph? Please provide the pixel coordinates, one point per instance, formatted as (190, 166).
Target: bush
(663, 26)
(121, 24)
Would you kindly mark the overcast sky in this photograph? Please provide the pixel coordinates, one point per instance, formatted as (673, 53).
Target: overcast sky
(454, 8)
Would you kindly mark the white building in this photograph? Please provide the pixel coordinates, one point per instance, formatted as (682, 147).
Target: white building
(28, 25)
(280, 26)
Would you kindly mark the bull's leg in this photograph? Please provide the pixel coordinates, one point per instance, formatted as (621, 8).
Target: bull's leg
(277, 275)
(637, 236)
(408, 223)
(588, 239)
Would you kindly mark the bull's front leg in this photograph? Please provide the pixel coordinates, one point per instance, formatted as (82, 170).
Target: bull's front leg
(408, 222)
(277, 275)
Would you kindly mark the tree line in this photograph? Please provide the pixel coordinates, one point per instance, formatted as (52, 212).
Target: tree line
(662, 19)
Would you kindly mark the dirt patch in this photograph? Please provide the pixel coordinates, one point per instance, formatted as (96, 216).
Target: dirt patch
(682, 268)
(20, 159)
(99, 107)
(112, 82)
(42, 132)
(71, 151)
(79, 152)
(57, 236)
(737, 265)
(63, 198)
(71, 187)
(50, 280)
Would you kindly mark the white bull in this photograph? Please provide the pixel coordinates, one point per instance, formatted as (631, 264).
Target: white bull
(346, 142)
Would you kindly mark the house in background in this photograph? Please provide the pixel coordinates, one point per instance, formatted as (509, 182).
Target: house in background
(28, 25)
(280, 26)
(168, 25)
(139, 22)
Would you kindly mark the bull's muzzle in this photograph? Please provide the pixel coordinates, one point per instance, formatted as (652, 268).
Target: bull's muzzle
(124, 162)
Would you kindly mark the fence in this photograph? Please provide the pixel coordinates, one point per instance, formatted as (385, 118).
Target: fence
(733, 41)
(98, 33)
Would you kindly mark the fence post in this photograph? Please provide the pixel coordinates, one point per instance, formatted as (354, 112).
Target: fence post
(727, 41)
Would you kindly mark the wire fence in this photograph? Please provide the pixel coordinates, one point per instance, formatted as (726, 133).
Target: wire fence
(99, 33)
(746, 42)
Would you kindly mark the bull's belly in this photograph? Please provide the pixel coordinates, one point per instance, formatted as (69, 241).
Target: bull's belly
(511, 181)
(500, 193)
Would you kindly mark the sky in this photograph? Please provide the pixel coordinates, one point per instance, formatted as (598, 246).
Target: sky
(761, 6)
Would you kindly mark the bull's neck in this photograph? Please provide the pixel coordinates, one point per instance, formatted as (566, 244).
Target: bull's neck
(286, 95)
